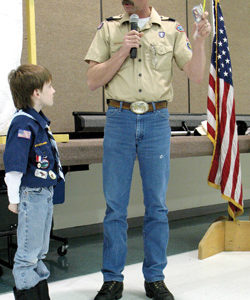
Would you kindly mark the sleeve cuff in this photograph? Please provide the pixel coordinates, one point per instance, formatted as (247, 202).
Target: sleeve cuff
(13, 182)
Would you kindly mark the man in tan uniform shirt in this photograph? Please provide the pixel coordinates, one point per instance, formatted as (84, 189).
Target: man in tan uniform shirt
(138, 91)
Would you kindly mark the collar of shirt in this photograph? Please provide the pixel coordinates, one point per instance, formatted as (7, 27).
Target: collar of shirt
(154, 17)
(40, 117)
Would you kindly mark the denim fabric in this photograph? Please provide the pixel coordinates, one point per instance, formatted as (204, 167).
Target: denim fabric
(146, 136)
(33, 233)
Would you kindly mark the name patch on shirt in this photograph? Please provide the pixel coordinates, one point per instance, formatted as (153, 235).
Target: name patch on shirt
(25, 134)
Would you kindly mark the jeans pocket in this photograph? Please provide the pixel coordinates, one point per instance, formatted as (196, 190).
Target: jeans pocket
(112, 111)
(163, 113)
(31, 190)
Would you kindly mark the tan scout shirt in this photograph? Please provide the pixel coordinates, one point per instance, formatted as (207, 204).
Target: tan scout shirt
(149, 76)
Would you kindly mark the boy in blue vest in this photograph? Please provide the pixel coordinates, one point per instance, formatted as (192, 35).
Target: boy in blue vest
(32, 169)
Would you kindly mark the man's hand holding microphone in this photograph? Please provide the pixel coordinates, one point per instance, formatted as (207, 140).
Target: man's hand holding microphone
(132, 39)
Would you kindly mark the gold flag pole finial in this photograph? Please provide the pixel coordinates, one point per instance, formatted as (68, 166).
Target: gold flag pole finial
(31, 31)
(204, 5)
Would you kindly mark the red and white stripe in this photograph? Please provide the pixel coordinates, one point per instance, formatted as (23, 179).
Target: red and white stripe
(225, 171)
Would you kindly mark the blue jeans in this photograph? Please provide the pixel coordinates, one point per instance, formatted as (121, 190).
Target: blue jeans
(146, 136)
(33, 233)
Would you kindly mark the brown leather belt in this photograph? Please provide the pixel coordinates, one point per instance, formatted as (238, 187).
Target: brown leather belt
(141, 108)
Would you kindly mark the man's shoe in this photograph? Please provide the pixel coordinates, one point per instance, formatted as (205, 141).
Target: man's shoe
(158, 291)
(111, 290)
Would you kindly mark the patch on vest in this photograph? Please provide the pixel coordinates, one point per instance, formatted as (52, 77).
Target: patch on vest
(25, 134)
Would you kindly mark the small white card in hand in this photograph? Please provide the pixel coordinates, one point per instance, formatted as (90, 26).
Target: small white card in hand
(197, 13)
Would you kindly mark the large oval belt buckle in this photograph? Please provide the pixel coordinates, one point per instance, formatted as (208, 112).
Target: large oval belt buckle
(139, 107)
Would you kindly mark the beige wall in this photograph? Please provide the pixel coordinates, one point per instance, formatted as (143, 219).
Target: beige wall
(65, 30)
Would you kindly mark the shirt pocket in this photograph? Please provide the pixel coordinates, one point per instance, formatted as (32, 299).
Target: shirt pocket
(44, 155)
(161, 56)
(42, 149)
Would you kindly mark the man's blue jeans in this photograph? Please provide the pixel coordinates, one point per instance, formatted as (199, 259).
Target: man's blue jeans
(126, 136)
(33, 233)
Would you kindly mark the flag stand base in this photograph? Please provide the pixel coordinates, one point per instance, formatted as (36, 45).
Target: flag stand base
(225, 236)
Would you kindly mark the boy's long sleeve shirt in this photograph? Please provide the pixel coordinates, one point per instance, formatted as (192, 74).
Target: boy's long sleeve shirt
(13, 182)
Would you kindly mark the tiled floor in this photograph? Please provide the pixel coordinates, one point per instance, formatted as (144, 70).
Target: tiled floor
(77, 275)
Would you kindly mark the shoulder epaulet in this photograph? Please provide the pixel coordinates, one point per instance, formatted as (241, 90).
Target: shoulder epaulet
(167, 19)
(115, 18)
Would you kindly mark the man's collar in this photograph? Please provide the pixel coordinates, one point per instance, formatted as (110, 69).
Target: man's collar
(40, 117)
(154, 17)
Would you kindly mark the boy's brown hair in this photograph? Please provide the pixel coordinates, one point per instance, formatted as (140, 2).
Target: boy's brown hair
(24, 80)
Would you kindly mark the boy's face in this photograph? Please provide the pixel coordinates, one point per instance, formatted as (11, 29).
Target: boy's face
(46, 95)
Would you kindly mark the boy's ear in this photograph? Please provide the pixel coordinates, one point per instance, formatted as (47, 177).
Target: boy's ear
(36, 93)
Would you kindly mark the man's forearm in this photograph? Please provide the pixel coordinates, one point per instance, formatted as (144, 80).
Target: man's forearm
(196, 66)
(99, 74)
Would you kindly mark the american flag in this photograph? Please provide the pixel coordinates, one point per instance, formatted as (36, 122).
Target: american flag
(225, 171)
(26, 134)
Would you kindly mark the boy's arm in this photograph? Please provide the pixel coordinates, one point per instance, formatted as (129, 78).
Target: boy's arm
(13, 182)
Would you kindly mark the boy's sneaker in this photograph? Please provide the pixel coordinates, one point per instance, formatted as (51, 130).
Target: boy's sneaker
(110, 290)
(158, 290)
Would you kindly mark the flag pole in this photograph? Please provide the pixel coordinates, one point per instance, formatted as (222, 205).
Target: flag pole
(204, 5)
(31, 30)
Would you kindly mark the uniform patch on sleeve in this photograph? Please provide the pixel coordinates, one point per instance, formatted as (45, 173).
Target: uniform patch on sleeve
(189, 45)
(100, 26)
(25, 134)
(180, 28)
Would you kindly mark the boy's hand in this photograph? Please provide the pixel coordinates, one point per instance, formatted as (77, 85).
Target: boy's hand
(13, 208)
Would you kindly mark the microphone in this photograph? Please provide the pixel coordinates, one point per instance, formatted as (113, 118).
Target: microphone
(134, 19)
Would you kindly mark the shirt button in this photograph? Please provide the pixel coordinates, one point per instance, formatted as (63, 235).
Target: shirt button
(140, 74)
(140, 90)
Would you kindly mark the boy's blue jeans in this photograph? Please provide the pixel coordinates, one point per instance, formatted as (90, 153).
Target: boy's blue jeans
(33, 233)
(147, 136)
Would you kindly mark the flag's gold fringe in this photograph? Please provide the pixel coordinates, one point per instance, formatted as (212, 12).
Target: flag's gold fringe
(231, 213)
(211, 138)
(229, 199)
(215, 186)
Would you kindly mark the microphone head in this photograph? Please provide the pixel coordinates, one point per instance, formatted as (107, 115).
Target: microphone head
(134, 18)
